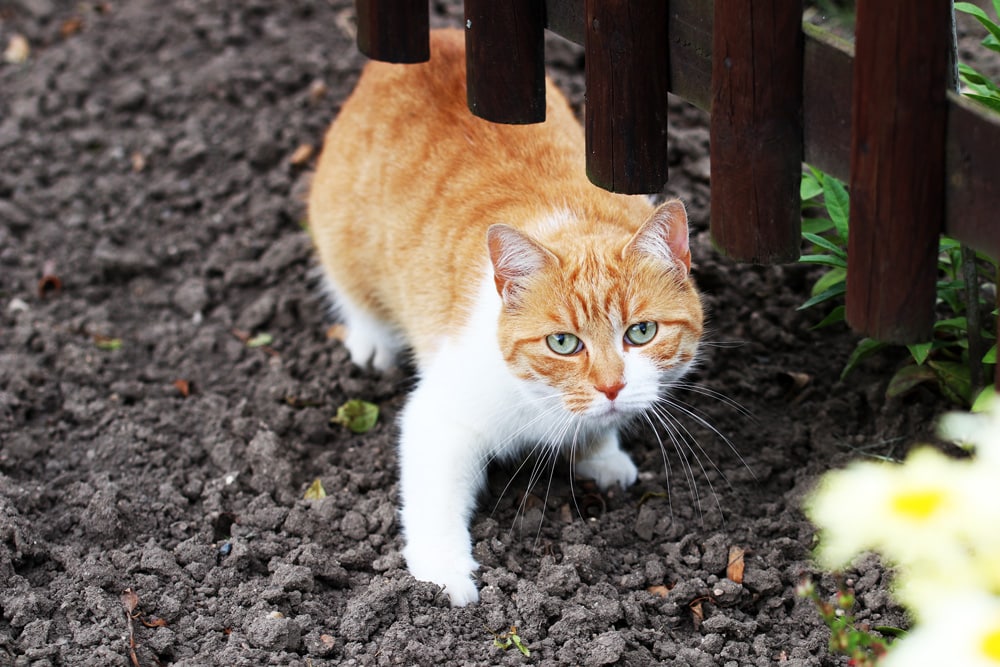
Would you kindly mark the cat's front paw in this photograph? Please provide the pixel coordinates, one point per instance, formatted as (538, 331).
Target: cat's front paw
(607, 468)
(453, 573)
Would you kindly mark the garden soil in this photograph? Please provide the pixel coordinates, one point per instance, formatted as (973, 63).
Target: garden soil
(156, 447)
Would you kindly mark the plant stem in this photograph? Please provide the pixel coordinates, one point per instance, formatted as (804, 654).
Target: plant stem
(973, 317)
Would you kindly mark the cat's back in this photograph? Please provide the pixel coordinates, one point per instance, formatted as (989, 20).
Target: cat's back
(409, 180)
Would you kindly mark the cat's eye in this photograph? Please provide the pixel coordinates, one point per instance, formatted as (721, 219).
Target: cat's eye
(641, 333)
(564, 343)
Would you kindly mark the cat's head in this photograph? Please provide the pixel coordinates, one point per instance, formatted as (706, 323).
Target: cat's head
(603, 321)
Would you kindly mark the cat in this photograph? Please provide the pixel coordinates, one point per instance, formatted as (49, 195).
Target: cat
(542, 312)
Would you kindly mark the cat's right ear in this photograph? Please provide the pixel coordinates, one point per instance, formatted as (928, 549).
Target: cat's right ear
(515, 257)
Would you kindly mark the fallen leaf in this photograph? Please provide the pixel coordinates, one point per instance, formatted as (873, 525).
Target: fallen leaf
(649, 495)
(317, 90)
(357, 415)
(799, 380)
(129, 600)
(49, 283)
(660, 590)
(155, 623)
(18, 50)
(260, 340)
(734, 570)
(697, 613)
(71, 26)
(301, 155)
(107, 343)
(315, 490)
(183, 386)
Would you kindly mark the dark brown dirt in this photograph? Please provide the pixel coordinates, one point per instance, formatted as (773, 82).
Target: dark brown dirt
(146, 163)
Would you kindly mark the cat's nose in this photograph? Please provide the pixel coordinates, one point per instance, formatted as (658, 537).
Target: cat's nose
(611, 390)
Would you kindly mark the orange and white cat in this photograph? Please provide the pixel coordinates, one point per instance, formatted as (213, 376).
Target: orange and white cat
(543, 312)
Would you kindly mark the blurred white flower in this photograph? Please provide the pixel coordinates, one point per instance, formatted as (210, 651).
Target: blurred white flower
(909, 513)
(963, 631)
(975, 430)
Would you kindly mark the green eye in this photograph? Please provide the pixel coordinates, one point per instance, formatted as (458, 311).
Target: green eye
(641, 333)
(564, 343)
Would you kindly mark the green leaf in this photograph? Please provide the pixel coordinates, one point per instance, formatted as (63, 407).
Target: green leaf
(107, 344)
(357, 415)
(957, 323)
(520, 645)
(260, 340)
(990, 101)
(920, 351)
(826, 260)
(315, 490)
(981, 16)
(983, 400)
(835, 315)
(826, 244)
(991, 355)
(816, 225)
(953, 380)
(832, 293)
(829, 280)
(865, 348)
(907, 378)
(809, 187)
(837, 205)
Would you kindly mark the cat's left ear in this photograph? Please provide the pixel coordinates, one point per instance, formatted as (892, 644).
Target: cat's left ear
(515, 257)
(664, 236)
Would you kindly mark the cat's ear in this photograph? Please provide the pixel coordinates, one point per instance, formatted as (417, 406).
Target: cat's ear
(515, 256)
(664, 235)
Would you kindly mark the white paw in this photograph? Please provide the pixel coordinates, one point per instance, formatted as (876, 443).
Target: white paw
(453, 572)
(608, 467)
(364, 350)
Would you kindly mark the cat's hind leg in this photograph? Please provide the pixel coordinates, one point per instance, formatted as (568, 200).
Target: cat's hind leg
(368, 339)
(606, 463)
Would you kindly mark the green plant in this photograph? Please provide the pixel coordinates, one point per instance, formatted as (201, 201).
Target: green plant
(510, 639)
(945, 359)
(981, 88)
(846, 638)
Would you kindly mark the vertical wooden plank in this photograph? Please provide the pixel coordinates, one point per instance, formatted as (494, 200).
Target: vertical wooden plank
(627, 76)
(756, 129)
(505, 59)
(396, 31)
(897, 166)
(827, 80)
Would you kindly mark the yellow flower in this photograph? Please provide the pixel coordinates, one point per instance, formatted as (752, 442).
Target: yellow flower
(962, 631)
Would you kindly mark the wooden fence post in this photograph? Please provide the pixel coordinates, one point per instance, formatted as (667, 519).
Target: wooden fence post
(396, 31)
(899, 116)
(756, 129)
(505, 59)
(627, 77)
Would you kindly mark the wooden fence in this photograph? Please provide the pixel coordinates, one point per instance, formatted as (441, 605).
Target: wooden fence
(920, 160)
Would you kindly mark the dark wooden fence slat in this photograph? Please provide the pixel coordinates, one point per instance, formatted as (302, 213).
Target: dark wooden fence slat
(505, 59)
(828, 73)
(899, 114)
(627, 78)
(756, 129)
(395, 31)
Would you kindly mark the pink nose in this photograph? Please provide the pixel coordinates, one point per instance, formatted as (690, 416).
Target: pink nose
(611, 391)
